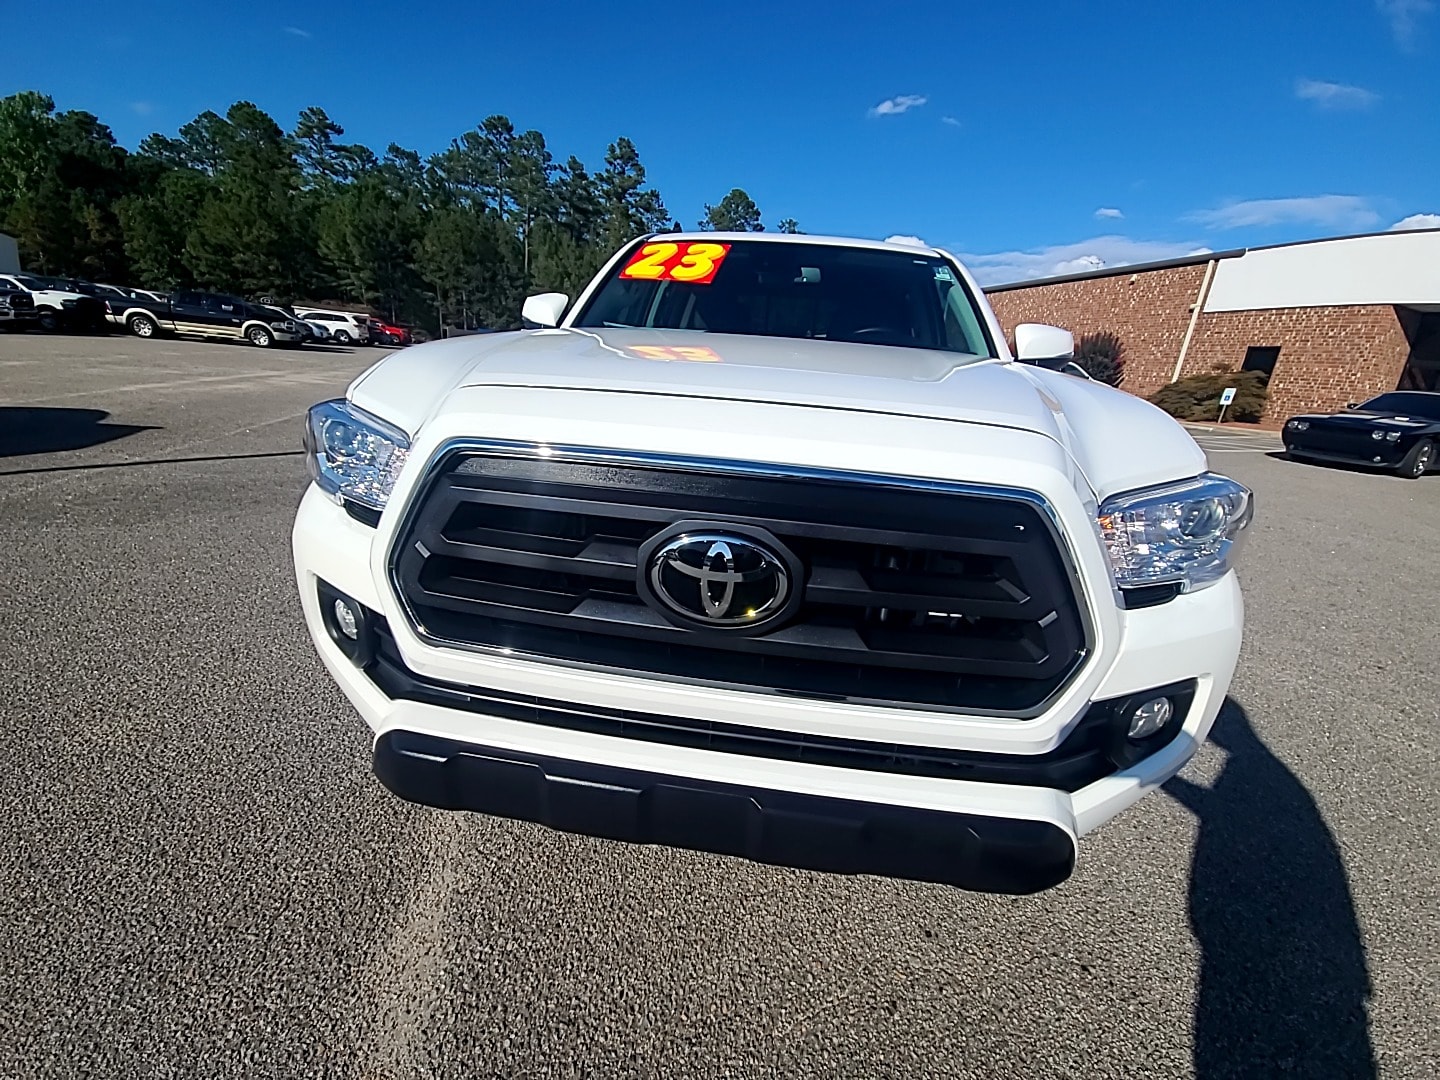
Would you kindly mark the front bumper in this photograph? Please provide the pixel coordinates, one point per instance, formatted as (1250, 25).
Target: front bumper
(83, 317)
(829, 833)
(1380, 454)
(486, 754)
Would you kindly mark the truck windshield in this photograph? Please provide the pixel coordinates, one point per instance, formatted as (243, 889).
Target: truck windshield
(71, 285)
(792, 290)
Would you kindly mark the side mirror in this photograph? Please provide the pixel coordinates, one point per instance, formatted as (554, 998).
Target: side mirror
(1035, 341)
(544, 310)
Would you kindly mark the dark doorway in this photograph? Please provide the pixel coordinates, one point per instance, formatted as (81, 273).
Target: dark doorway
(1261, 358)
(1422, 369)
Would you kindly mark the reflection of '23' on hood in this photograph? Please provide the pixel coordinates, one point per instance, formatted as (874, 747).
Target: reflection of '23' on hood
(653, 364)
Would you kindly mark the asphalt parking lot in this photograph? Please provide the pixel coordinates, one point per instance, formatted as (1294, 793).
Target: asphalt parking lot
(200, 877)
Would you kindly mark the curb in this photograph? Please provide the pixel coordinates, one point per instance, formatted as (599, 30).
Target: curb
(1228, 429)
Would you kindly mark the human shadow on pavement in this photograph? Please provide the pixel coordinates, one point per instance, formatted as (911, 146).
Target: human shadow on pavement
(27, 430)
(1283, 979)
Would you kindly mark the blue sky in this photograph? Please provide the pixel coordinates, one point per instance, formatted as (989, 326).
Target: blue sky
(1033, 138)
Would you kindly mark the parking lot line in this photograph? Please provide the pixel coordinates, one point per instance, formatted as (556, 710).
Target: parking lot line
(1211, 448)
(245, 377)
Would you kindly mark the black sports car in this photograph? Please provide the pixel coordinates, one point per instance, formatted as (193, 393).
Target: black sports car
(1398, 431)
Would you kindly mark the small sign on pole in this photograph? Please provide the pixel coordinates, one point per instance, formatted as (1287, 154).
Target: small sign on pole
(1226, 397)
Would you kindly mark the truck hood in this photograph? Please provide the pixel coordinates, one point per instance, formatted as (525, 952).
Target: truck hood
(1098, 426)
(1365, 418)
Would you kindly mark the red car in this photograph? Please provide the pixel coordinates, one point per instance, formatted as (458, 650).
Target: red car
(383, 333)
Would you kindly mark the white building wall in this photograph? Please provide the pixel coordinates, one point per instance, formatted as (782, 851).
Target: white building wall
(1392, 268)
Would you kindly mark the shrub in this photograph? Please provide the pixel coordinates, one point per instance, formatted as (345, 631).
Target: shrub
(1102, 355)
(1197, 397)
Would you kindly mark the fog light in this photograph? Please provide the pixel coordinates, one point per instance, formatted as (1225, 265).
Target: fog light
(346, 621)
(1150, 717)
(349, 623)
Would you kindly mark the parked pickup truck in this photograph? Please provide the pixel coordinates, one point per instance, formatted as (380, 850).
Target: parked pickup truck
(17, 308)
(772, 546)
(198, 314)
(58, 306)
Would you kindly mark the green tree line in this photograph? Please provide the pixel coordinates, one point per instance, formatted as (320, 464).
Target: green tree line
(236, 204)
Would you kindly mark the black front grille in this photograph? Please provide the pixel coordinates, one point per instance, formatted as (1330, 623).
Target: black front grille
(938, 598)
(1340, 440)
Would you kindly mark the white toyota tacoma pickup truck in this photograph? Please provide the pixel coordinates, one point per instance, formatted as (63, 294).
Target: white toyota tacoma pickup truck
(767, 546)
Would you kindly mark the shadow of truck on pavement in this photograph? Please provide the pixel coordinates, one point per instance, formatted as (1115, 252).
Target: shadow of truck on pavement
(1283, 979)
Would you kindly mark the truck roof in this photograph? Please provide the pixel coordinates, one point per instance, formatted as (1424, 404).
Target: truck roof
(795, 238)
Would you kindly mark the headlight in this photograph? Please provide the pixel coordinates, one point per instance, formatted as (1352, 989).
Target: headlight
(1297, 425)
(1392, 436)
(353, 455)
(279, 326)
(1184, 532)
(68, 303)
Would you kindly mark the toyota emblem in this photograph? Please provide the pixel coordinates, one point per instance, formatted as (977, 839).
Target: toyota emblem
(717, 580)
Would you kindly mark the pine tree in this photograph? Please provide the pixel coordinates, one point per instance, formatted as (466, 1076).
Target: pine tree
(736, 212)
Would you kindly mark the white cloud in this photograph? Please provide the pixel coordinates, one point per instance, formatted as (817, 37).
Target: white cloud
(1416, 221)
(1333, 211)
(1404, 17)
(950, 120)
(1108, 212)
(141, 108)
(1004, 267)
(1334, 95)
(295, 31)
(912, 241)
(896, 105)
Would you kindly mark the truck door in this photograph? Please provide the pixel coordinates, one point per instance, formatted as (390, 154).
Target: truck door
(187, 310)
(225, 314)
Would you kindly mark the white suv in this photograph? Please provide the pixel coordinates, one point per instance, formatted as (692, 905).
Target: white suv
(768, 547)
(343, 327)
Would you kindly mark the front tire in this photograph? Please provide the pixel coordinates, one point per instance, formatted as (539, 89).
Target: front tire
(260, 337)
(143, 326)
(49, 319)
(1418, 461)
(342, 338)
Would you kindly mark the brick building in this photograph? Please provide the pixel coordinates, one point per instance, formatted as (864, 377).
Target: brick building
(1331, 321)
